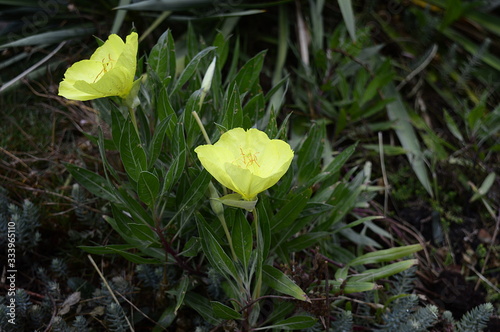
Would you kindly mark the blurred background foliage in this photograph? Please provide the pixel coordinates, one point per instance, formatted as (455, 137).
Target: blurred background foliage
(413, 83)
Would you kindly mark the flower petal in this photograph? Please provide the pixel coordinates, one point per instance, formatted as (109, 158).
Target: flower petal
(277, 157)
(109, 72)
(111, 49)
(247, 162)
(214, 159)
(114, 83)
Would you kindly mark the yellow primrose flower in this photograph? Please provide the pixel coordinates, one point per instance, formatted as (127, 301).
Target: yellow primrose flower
(109, 71)
(247, 162)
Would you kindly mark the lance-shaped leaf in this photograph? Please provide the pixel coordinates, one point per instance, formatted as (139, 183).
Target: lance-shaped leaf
(292, 323)
(131, 152)
(148, 187)
(214, 251)
(280, 282)
(225, 312)
(94, 183)
(385, 255)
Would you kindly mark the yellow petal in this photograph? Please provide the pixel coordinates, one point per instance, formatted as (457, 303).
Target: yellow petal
(84, 71)
(128, 58)
(247, 162)
(214, 158)
(114, 83)
(112, 48)
(109, 72)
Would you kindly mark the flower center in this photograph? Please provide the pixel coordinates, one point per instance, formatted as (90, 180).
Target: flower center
(107, 64)
(248, 160)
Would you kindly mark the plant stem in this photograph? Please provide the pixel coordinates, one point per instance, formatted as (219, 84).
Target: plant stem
(228, 235)
(218, 208)
(202, 127)
(168, 250)
(260, 258)
(131, 112)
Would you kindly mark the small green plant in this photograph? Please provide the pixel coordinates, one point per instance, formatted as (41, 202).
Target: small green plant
(20, 223)
(227, 188)
(168, 210)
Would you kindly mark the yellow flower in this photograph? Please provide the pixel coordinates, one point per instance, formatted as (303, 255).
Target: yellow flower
(247, 162)
(109, 71)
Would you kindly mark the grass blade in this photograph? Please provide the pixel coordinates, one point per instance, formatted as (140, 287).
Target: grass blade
(397, 112)
(348, 15)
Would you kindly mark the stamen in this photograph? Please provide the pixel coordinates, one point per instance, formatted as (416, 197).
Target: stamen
(249, 158)
(105, 66)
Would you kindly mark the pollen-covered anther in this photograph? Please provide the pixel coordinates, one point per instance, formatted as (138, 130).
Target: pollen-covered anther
(249, 158)
(107, 64)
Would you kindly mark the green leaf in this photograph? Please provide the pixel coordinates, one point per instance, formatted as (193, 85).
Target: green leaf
(224, 312)
(281, 311)
(216, 255)
(280, 282)
(265, 213)
(485, 20)
(166, 319)
(236, 200)
(164, 109)
(384, 272)
(341, 274)
(304, 241)
(397, 112)
(242, 238)
(288, 213)
(148, 187)
(388, 150)
(174, 171)
(454, 10)
(139, 234)
(119, 17)
(310, 153)
(475, 116)
(117, 124)
(250, 72)
(192, 42)
(157, 141)
(373, 87)
(359, 238)
(222, 48)
(359, 221)
(190, 69)
(202, 305)
(233, 112)
(485, 187)
(452, 126)
(101, 144)
(472, 48)
(51, 37)
(131, 152)
(333, 168)
(192, 247)
(162, 57)
(180, 291)
(94, 183)
(121, 249)
(192, 129)
(137, 211)
(348, 16)
(343, 198)
(292, 323)
(349, 286)
(195, 192)
(386, 255)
